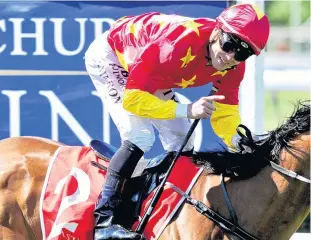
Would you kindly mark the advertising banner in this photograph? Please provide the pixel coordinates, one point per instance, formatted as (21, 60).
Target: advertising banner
(44, 88)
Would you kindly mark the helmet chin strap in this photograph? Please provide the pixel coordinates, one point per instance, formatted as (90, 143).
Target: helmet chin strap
(209, 59)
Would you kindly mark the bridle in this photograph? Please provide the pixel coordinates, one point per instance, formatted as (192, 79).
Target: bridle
(231, 226)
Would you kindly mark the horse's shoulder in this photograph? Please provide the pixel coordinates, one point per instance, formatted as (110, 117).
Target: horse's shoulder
(30, 142)
(22, 172)
(19, 157)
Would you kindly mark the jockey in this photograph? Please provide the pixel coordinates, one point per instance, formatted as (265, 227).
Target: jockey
(134, 67)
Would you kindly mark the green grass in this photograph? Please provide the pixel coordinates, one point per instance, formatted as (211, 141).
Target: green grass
(279, 105)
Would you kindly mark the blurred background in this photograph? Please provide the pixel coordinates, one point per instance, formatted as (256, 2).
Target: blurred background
(288, 57)
(45, 91)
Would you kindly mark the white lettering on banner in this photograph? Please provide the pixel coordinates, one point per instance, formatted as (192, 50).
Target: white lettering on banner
(98, 25)
(18, 36)
(14, 103)
(3, 28)
(59, 27)
(80, 195)
(58, 36)
(58, 109)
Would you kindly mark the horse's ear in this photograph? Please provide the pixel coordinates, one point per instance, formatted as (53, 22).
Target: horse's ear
(247, 134)
(246, 142)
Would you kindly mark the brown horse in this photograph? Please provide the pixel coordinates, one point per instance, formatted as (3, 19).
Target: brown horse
(268, 204)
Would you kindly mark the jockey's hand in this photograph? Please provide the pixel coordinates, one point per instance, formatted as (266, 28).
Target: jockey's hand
(203, 108)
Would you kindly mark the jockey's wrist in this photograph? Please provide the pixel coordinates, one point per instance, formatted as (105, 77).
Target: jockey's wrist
(181, 111)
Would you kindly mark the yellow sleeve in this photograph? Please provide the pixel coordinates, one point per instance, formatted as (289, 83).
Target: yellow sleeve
(225, 120)
(147, 105)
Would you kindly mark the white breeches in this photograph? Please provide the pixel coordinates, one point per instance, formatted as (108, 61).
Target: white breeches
(109, 79)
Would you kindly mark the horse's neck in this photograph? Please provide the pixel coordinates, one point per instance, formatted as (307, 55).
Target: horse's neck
(269, 205)
(275, 207)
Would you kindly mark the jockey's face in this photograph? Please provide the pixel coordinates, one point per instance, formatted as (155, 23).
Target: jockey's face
(220, 59)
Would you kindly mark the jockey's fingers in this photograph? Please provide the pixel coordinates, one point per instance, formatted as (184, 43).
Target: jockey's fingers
(209, 111)
(205, 115)
(209, 105)
(214, 97)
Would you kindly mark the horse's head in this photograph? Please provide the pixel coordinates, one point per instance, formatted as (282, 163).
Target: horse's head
(290, 142)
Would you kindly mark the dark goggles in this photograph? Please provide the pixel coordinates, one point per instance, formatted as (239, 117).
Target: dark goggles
(230, 43)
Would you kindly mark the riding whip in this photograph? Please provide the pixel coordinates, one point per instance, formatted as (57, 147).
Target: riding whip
(142, 224)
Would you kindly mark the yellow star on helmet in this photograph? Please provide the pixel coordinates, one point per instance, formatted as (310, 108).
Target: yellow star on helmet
(222, 73)
(258, 11)
(188, 58)
(185, 83)
(191, 24)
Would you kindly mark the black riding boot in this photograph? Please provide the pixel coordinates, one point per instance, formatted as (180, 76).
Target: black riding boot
(121, 167)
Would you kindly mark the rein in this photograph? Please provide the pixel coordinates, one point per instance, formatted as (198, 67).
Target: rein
(224, 223)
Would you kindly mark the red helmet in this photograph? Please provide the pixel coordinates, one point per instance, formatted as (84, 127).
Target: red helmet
(247, 22)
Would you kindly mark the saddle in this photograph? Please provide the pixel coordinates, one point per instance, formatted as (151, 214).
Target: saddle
(146, 177)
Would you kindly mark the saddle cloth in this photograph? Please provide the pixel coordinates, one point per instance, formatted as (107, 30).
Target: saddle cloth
(72, 186)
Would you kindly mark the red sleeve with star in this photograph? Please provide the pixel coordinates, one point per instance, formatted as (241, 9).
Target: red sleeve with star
(230, 84)
(142, 73)
(141, 84)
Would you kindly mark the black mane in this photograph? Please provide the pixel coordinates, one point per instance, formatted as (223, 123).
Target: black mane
(242, 164)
